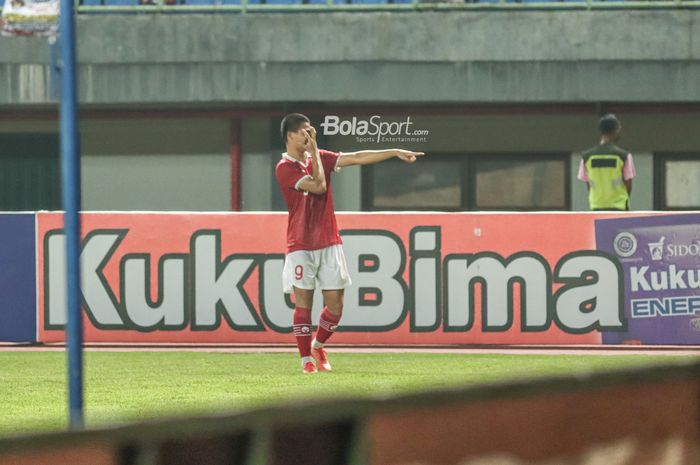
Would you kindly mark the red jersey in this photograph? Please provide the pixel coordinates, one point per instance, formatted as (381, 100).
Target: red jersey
(311, 224)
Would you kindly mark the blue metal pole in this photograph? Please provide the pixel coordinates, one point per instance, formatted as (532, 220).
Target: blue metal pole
(70, 172)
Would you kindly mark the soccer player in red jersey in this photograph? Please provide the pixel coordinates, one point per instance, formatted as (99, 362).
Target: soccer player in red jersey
(314, 250)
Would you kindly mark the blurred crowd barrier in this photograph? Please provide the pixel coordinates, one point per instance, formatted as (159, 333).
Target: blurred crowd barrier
(642, 416)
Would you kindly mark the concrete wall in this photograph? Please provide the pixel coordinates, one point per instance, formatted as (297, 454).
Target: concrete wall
(456, 56)
(204, 62)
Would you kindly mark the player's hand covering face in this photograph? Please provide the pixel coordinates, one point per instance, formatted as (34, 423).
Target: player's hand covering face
(302, 138)
(309, 137)
(408, 156)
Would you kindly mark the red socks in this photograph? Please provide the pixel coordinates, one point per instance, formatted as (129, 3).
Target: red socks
(326, 326)
(302, 330)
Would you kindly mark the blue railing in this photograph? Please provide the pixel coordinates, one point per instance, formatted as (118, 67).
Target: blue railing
(104, 6)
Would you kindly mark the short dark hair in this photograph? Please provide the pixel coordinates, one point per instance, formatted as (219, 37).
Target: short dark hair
(608, 124)
(291, 123)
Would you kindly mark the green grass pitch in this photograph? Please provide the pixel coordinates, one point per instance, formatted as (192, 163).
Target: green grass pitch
(128, 386)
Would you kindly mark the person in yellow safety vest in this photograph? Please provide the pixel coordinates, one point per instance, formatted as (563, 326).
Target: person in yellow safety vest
(608, 169)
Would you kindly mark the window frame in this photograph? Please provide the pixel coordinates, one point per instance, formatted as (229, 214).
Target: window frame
(530, 156)
(368, 186)
(467, 167)
(660, 159)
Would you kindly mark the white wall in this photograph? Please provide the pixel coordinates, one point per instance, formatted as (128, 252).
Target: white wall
(257, 164)
(163, 182)
(170, 164)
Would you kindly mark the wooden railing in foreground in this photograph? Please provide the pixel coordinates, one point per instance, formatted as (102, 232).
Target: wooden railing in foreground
(642, 416)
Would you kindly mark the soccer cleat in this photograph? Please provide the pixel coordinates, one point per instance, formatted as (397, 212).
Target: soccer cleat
(308, 368)
(319, 354)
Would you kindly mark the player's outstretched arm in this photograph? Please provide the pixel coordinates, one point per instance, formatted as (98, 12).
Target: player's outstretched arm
(369, 157)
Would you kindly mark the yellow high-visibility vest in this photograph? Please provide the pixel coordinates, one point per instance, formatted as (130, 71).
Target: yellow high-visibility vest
(604, 165)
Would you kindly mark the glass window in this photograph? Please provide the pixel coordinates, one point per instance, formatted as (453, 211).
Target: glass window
(520, 182)
(429, 184)
(30, 172)
(680, 175)
(470, 182)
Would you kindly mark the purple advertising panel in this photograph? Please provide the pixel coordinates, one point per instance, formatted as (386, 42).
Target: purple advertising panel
(18, 277)
(660, 256)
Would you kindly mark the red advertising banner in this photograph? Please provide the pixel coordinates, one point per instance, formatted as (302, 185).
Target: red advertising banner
(418, 278)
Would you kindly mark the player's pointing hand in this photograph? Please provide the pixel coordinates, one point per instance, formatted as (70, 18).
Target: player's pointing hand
(408, 156)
